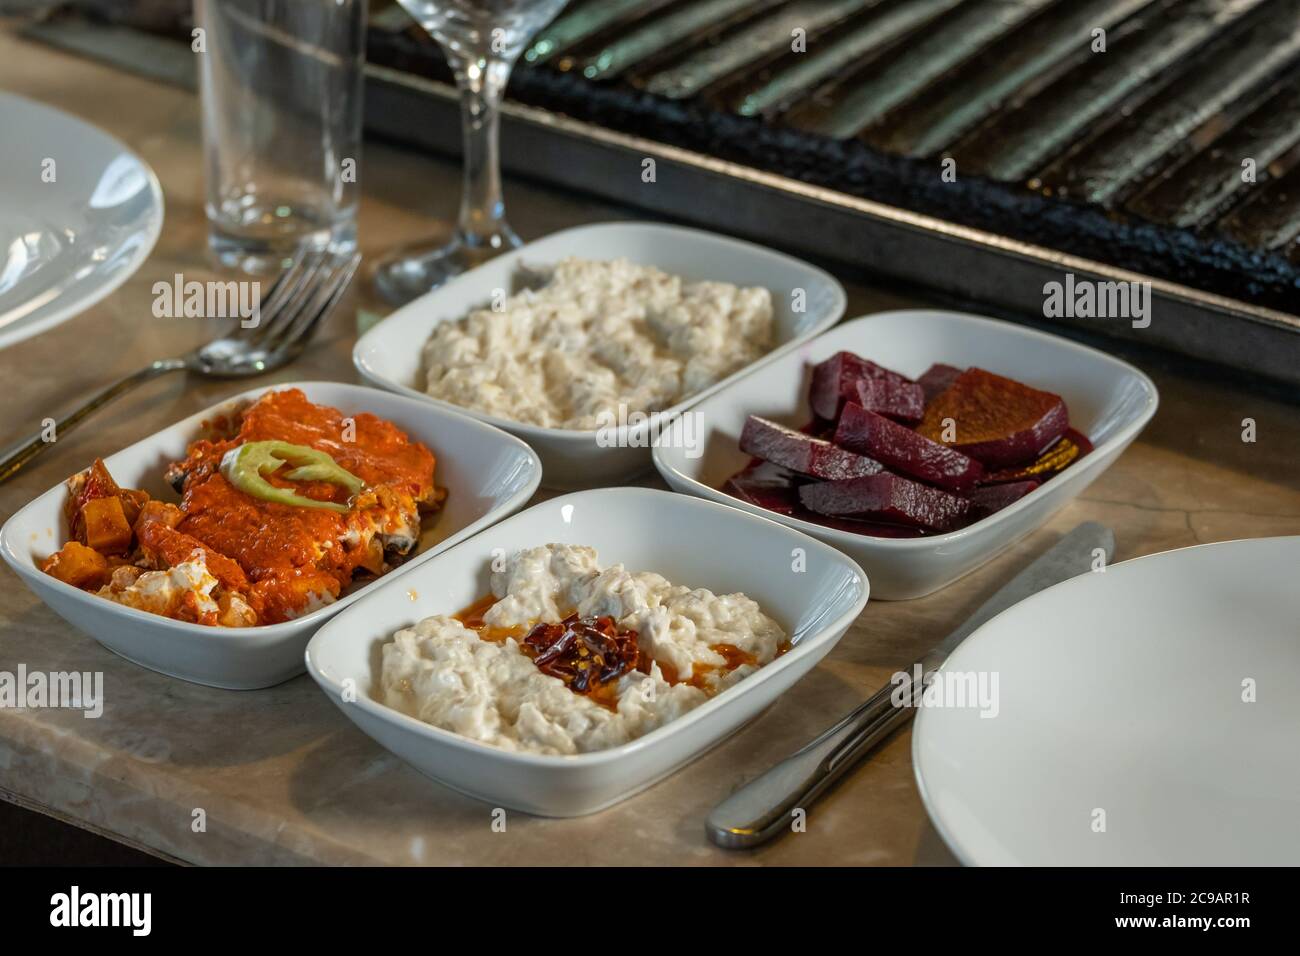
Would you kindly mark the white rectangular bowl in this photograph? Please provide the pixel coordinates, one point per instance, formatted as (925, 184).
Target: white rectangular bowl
(487, 474)
(389, 355)
(690, 542)
(1109, 401)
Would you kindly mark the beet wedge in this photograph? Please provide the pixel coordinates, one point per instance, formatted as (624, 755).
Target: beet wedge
(888, 498)
(835, 381)
(801, 452)
(993, 498)
(904, 450)
(995, 420)
(901, 401)
(937, 379)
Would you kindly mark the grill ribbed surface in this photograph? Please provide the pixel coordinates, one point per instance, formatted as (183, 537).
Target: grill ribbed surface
(1134, 154)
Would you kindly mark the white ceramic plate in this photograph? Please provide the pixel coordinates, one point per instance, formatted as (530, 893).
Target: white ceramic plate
(1109, 401)
(487, 473)
(66, 243)
(389, 354)
(1122, 693)
(690, 542)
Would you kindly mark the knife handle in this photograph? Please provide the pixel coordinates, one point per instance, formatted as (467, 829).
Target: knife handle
(765, 807)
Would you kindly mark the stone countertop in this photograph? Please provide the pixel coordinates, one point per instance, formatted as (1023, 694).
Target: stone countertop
(281, 776)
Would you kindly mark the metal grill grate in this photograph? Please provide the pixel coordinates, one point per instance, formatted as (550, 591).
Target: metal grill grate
(1055, 140)
(1157, 126)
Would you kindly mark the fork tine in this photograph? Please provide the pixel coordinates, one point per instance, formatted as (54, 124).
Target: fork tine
(279, 282)
(287, 290)
(274, 298)
(299, 328)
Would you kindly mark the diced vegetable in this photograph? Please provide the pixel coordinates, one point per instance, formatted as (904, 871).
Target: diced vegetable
(96, 484)
(158, 512)
(78, 565)
(106, 527)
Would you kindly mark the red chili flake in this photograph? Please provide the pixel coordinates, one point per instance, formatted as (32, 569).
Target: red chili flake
(586, 653)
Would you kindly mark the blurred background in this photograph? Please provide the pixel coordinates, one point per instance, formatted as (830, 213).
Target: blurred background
(1153, 137)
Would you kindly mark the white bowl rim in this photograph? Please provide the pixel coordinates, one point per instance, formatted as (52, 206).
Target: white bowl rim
(927, 542)
(269, 631)
(653, 419)
(609, 754)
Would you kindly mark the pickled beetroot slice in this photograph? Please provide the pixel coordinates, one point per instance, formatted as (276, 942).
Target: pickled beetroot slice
(1070, 448)
(802, 453)
(901, 401)
(936, 379)
(834, 382)
(993, 498)
(904, 450)
(887, 498)
(995, 420)
(819, 428)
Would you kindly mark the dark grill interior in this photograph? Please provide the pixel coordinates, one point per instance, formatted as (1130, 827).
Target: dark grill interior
(1133, 156)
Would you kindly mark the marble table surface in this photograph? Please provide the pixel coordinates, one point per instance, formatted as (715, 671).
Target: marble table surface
(280, 776)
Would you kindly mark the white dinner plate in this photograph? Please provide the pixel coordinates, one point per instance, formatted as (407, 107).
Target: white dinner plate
(805, 300)
(1110, 401)
(690, 542)
(1146, 716)
(79, 213)
(487, 474)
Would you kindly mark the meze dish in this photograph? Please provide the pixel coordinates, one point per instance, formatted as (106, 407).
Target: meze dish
(596, 342)
(890, 457)
(281, 509)
(565, 657)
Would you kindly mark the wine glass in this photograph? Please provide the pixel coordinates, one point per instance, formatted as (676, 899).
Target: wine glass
(481, 40)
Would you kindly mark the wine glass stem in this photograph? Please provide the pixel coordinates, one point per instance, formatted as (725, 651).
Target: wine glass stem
(482, 82)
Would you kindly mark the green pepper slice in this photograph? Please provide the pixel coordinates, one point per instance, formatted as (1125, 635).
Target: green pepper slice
(244, 466)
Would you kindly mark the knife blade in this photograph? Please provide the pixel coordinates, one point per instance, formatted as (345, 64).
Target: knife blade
(763, 808)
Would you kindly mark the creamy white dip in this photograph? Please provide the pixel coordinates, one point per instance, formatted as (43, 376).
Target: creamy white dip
(597, 336)
(441, 672)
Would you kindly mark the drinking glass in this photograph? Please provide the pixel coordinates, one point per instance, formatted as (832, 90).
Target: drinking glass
(481, 40)
(280, 83)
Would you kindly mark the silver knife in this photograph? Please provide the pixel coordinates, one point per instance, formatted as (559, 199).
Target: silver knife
(762, 808)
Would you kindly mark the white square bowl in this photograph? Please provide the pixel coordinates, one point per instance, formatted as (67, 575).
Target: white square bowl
(691, 542)
(389, 355)
(1109, 401)
(487, 473)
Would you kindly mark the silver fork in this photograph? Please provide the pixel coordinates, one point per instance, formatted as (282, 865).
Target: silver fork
(301, 296)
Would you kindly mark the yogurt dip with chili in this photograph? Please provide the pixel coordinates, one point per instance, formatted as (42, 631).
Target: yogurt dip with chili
(519, 670)
(597, 336)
